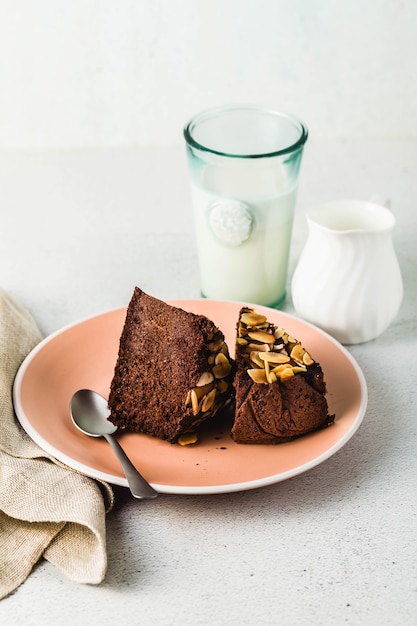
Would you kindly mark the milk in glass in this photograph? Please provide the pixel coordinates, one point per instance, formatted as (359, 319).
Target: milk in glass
(243, 217)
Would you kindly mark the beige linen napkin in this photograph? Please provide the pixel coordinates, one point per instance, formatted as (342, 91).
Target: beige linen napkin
(46, 509)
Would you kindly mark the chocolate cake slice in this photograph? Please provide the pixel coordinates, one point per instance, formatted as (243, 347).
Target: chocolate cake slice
(173, 371)
(280, 389)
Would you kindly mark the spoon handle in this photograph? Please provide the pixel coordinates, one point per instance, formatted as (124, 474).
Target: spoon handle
(139, 487)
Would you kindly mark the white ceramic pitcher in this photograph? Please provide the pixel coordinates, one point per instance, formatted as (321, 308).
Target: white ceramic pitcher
(347, 280)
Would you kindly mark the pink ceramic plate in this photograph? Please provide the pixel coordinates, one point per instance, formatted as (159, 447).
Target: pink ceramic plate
(84, 355)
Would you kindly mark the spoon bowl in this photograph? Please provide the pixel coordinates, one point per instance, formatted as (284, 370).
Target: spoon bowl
(89, 412)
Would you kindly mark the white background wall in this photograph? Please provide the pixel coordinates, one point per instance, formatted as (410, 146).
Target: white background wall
(79, 73)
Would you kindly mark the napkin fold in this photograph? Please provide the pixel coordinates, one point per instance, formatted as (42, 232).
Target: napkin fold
(46, 509)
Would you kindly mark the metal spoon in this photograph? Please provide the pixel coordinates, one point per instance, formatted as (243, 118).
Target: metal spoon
(89, 412)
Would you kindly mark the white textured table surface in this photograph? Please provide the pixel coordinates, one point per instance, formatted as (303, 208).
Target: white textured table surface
(334, 545)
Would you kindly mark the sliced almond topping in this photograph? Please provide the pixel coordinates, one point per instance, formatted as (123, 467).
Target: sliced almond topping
(297, 353)
(221, 371)
(281, 368)
(208, 400)
(274, 357)
(222, 367)
(221, 359)
(205, 379)
(272, 378)
(307, 359)
(286, 373)
(214, 346)
(200, 392)
(259, 347)
(265, 326)
(187, 438)
(298, 369)
(252, 319)
(262, 336)
(194, 402)
(258, 376)
(279, 332)
(268, 348)
(255, 358)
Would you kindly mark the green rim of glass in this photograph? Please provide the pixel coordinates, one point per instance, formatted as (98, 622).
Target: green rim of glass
(208, 113)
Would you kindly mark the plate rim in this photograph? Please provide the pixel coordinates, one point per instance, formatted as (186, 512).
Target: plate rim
(176, 489)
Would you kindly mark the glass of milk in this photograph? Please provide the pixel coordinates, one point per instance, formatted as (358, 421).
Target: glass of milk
(244, 162)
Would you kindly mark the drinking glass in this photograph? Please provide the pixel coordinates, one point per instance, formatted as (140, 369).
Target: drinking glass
(244, 163)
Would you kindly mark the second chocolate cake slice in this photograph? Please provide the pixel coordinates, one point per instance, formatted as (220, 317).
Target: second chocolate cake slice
(280, 389)
(172, 373)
